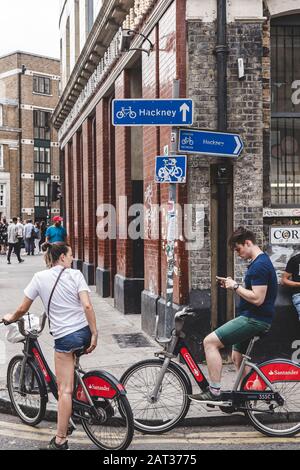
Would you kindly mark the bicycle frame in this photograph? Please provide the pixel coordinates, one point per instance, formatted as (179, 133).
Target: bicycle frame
(177, 346)
(33, 351)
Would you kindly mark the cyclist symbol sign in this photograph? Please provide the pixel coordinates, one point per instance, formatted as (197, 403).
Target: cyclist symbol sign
(171, 169)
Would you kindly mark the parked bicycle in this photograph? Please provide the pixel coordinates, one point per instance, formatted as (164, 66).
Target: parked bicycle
(99, 399)
(158, 389)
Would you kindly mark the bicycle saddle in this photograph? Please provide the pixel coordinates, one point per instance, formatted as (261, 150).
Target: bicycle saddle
(80, 352)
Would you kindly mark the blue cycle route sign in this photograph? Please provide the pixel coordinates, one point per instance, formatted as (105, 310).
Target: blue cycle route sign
(139, 112)
(221, 144)
(171, 169)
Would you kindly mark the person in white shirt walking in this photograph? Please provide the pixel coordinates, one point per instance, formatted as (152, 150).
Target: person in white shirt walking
(29, 237)
(13, 241)
(72, 323)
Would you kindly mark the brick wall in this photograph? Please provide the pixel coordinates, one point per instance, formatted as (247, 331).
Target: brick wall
(123, 179)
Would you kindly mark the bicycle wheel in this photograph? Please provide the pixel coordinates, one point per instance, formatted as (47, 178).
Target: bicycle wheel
(173, 403)
(269, 417)
(112, 428)
(29, 403)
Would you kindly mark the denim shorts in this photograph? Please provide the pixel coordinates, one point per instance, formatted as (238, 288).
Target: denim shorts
(74, 341)
(296, 303)
(239, 332)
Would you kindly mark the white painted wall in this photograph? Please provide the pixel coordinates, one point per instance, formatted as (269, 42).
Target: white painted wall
(236, 9)
(69, 12)
(283, 7)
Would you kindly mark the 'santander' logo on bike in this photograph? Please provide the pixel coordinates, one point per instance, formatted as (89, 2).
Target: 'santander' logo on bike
(192, 365)
(42, 365)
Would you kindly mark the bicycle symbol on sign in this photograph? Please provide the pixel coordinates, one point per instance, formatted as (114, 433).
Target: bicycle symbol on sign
(170, 171)
(187, 140)
(126, 112)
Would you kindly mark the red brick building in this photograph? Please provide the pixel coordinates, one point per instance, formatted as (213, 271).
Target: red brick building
(103, 163)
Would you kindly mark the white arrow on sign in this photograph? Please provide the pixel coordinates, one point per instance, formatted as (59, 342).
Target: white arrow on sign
(238, 146)
(184, 109)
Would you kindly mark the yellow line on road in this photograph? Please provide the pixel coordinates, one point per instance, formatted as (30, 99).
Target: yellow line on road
(21, 431)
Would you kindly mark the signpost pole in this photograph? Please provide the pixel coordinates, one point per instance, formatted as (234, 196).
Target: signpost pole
(171, 230)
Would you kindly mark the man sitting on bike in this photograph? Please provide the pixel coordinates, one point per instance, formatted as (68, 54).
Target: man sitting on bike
(256, 311)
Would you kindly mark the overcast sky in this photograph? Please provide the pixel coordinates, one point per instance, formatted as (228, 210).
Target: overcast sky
(29, 26)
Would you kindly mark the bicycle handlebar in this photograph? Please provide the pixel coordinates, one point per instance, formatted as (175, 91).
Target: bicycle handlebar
(21, 325)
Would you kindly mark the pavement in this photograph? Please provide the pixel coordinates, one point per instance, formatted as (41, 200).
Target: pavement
(115, 353)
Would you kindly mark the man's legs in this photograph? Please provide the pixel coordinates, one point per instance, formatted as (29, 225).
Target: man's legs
(212, 347)
(10, 249)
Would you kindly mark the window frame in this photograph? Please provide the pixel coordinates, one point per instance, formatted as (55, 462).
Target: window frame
(41, 161)
(1, 156)
(41, 124)
(285, 122)
(38, 197)
(39, 85)
(3, 195)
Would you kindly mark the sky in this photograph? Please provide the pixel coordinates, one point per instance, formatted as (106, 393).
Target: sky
(30, 26)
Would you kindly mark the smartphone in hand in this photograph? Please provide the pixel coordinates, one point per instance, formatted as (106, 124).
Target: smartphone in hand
(221, 280)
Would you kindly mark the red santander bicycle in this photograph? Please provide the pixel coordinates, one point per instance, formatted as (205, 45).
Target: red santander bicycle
(158, 389)
(99, 399)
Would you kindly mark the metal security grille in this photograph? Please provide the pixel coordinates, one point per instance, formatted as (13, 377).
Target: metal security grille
(285, 127)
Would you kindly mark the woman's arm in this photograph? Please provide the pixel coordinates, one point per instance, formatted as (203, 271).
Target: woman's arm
(91, 318)
(21, 311)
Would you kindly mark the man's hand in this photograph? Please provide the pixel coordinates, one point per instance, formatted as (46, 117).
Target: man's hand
(93, 345)
(226, 282)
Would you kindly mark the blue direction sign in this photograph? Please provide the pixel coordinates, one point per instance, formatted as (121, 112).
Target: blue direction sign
(174, 112)
(221, 144)
(171, 169)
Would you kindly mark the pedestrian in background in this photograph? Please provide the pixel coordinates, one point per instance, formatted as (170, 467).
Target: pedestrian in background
(291, 279)
(3, 236)
(13, 243)
(43, 228)
(56, 233)
(29, 237)
(20, 235)
(37, 237)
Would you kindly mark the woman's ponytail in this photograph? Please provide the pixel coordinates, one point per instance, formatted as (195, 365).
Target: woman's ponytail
(53, 252)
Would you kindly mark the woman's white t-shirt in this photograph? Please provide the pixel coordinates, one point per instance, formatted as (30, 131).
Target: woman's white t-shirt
(66, 311)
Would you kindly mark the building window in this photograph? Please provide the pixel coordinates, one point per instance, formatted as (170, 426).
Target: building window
(89, 15)
(1, 115)
(285, 127)
(41, 123)
(2, 195)
(41, 85)
(42, 160)
(1, 156)
(40, 193)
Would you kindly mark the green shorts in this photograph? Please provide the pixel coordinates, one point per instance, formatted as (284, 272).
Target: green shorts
(239, 332)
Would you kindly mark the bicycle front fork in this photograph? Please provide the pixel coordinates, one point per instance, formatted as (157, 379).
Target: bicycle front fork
(154, 395)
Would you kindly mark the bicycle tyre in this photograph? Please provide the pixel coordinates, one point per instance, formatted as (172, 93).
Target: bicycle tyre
(270, 418)
(117, 412)
(142, 423)
(28, 412)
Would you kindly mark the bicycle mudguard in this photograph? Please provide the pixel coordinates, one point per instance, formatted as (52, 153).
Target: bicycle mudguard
(100, 384)
(278, 370)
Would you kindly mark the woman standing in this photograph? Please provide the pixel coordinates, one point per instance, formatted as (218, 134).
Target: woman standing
(72, 322)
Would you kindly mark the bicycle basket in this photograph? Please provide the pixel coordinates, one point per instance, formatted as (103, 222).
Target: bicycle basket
(13, 334)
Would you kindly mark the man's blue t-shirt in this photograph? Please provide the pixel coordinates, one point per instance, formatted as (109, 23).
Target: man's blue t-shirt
(260, 272)
(56, 234)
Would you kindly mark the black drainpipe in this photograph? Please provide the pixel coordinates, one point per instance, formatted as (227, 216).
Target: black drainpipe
(20, 73)
(223, 169)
